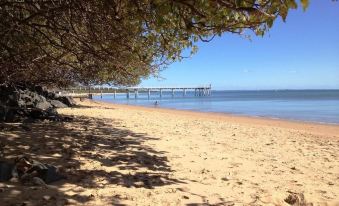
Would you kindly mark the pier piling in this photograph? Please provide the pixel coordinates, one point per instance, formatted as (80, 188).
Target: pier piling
(135, 93)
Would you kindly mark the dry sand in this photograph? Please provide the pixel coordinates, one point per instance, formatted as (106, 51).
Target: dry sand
(128, 155)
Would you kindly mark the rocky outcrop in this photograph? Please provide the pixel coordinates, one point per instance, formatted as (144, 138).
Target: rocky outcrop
(69, 101)
(45, 92)
(19, 103)
(57, 104)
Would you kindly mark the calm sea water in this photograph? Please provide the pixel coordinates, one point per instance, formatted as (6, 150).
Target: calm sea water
(301, 105)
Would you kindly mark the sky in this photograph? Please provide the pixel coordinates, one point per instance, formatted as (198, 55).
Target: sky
(301, 53)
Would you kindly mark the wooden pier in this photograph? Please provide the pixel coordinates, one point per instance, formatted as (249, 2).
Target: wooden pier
(99, 90)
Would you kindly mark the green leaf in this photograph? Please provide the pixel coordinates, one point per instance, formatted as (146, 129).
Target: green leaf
(292, 4)
(270, 22)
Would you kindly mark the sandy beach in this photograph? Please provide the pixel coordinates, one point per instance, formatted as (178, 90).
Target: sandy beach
(129, 155)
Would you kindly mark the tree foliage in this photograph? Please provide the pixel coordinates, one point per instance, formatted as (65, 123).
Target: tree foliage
(59, 42)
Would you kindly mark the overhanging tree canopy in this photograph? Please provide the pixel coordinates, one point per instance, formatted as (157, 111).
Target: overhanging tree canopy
(59, 42)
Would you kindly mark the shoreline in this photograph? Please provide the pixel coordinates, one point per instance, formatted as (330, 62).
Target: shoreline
(227, 114)
(312, 127)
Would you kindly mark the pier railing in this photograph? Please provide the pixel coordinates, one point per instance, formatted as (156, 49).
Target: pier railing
(82, 91)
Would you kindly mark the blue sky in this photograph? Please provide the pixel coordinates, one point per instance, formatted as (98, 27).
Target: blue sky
(302, 53)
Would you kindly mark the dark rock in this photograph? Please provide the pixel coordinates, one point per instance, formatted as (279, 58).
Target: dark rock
(30, 99)
(44, 105)
(22, 98)
(67, 119)
(57, 104)
(21, 103)
(26, 128)
(21, 204)
(27, 115)
(2, 113)
(69, 101)
(5, 171)
(37, 114)
(9, 114)
(29, 120)
(49, 95)
(39, 90)
(45, 92)
(50, 114)
(8, 97)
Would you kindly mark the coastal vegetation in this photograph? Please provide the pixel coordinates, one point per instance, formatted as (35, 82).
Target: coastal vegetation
(59, 43)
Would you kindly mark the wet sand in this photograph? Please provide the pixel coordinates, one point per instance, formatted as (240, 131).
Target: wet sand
(130, 155)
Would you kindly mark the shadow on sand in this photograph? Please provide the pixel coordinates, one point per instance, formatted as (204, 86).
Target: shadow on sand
(84, 148)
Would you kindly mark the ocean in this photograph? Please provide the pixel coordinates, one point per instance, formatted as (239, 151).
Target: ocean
(321, 106)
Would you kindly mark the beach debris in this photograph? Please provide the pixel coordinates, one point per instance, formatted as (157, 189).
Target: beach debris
(297, 199)
(226, 178)
(239, 183)
(48, 198)
(204, 171)
(29, 172)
